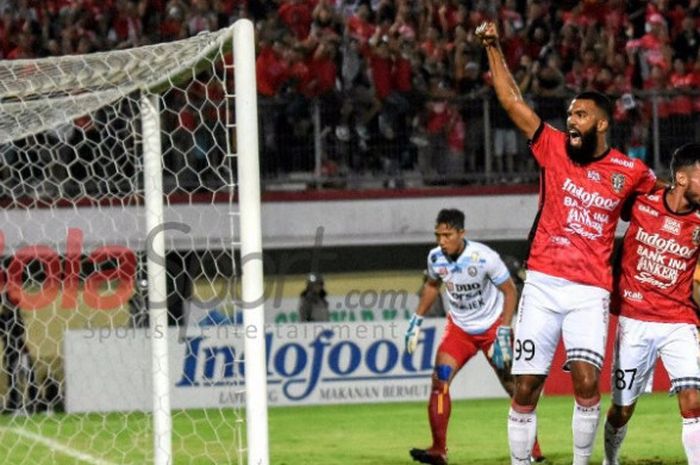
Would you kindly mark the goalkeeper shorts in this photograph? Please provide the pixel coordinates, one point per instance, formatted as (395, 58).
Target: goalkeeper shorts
(462, 346)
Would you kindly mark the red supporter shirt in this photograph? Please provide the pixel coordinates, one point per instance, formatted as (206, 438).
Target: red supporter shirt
(659, 254)
(297, 17)
(402, 75)
(306, 81)
(271, 72)
(325, 72)
(171, 29)
(451, 18)
(681, 104)
(381, 75)
(438, 117)
(579, 206)
(695, 80)
(513, 49)
(360, 29)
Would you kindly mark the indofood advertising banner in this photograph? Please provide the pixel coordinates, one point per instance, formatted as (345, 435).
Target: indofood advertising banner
(109, 369)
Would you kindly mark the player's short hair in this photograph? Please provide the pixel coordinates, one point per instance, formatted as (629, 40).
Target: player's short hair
(684, 156)
(601, 101)
(451, 217)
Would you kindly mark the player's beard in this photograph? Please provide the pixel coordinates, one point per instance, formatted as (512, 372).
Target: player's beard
(585, 153)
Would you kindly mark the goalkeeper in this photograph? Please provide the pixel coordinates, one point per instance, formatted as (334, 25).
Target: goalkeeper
(481, 300)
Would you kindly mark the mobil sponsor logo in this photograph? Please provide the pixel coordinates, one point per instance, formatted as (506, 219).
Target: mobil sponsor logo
(663, 245)
(648, 210)
(589, 199)
(300, 368)
(622, 162)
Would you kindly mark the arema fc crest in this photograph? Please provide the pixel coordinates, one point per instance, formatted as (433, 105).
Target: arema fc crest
(618, 182)
(696, 236)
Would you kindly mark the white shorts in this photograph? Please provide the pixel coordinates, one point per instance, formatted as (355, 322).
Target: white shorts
(637, 346)
(551, 308)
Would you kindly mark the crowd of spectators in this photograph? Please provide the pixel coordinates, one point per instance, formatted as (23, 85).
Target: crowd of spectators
(402, 84)
(409, 76)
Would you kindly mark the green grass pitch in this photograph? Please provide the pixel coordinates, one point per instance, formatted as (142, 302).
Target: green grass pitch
(372, 434)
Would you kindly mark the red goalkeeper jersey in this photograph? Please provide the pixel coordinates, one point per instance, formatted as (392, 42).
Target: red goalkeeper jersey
(659, 253)
(573, 233)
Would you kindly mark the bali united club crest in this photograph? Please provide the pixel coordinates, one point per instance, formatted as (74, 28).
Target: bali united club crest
(618, 182)
(696, 236)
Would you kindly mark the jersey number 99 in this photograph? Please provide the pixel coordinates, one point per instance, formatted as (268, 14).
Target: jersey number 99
(524, 349)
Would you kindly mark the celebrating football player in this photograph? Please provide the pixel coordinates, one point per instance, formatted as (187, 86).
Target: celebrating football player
(583, 184)
(654, 296)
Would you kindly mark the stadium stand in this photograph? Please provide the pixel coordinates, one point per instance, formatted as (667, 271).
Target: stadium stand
(384, 93)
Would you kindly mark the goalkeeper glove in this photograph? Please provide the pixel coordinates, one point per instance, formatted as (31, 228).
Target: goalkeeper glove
(501, 351)
(413, 332)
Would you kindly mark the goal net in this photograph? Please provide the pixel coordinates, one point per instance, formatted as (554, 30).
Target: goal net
(131, 282)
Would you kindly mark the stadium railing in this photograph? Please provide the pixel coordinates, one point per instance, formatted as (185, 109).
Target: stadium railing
(312, 152)
(319, 144)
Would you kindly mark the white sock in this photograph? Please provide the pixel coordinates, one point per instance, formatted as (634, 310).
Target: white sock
(584, 425)
(691, 440)
(613, 441)
(522, 429)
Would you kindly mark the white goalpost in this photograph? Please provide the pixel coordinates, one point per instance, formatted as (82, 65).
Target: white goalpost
(251, 247)
(131, 253)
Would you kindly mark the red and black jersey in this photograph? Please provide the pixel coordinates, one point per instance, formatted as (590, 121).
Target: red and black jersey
(579, 206)
(659, 253)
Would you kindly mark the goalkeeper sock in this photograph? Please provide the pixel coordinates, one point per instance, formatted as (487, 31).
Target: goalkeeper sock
(691, 439)
(584, 425)
(522, 430)
(613, 442)
(439, 408)
(536, 453)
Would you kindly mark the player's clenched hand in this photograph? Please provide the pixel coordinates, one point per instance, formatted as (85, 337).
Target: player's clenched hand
(501, 351)
(413, 332)
(487, 33)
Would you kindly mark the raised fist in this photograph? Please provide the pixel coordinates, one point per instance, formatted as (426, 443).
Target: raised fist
(487, 34)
